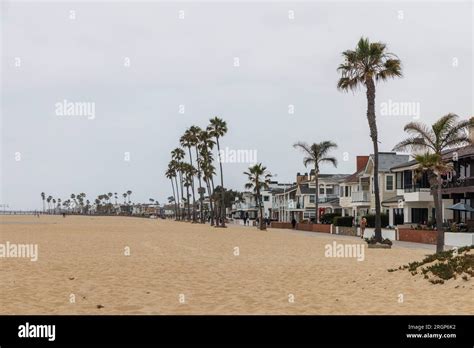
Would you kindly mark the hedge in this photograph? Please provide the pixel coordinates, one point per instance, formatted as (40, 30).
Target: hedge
(343, 221)
(328, 218)
(371, 220)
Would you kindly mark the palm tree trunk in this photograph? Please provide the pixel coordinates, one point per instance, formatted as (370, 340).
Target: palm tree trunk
(188, 217)
(174, 196)
(201, 194)
(438, 201)
(222, 183)
(211, 209)
(178, 208)
(192, 186)
(182, 195)
(260, 208)
(316, 196)
(373, 134)
(215, 211)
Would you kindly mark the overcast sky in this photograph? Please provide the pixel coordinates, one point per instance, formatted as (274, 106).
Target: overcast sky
(48, 57)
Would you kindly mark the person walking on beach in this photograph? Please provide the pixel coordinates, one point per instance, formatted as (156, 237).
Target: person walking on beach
(293, 223)
(363, 224)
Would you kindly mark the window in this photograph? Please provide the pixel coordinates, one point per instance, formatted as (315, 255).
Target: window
(309, 215)
(419, 215)
(311, 198)
(321, 189)
(389, 183)
(398, 218)
(329, 189)
(266, 198)
(347, 191)
(341, 192)
(399, 176)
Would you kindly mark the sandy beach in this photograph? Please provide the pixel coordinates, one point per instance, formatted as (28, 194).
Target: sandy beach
(182, 268)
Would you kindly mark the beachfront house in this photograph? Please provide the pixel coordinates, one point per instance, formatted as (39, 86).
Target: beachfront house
(357, 195)
(298, 201)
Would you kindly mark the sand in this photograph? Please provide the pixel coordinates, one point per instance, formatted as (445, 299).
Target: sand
(183, 268)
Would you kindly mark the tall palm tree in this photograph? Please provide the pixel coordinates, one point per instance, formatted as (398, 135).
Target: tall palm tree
(444, 134)
(129, 193)
(194, 134)
(189, 172)
(258, 180)
(188, 140)
(317, 154)
(48, 200)
(205, 146)
(43, 197)
(217, 129)
(367, 64)
(170, 174)
(178, 155)
(124, 195)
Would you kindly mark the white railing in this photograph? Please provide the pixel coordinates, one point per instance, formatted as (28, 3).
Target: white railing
(360, 196)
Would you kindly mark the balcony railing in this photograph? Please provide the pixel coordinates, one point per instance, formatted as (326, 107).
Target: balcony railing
(415, 188)
(360, 196)
(458, 182)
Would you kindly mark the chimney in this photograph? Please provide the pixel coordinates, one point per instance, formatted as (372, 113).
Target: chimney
(361, 162)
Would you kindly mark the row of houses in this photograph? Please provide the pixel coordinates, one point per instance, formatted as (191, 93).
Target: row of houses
(405, 198)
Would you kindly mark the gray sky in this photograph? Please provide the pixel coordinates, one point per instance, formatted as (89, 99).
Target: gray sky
(190, 61)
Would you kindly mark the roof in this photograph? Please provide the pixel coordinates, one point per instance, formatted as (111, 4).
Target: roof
(353, 177)
(465, 151)
(388, 160)
(394, 199)
(330, 176)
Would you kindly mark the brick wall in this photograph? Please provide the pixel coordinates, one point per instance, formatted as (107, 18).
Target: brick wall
(275, 224)
(417, 236)
(322, 228)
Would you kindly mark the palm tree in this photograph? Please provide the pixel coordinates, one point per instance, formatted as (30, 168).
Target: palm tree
(43, 197)
(217, 129)
(189, 172)
(258, 180)
(48, 200)
(124, 195)
(188, 140)
(116, 197)
(444, 134)
(178, 155)
(367, 64)
(170, 174)
(129, 193)
(317, 154)
(194, 134)
(205, 160)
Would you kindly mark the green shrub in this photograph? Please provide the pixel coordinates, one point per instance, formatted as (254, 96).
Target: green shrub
(328, 218)
(343, 221)
(371, 220)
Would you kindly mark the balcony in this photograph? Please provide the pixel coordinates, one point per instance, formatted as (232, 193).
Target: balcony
(415, 188)
(360, 197)
(459, 185)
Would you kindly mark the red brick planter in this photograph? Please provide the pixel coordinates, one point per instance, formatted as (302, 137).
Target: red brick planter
(314, 228)
(275, 224)
(322, 228)
(417, 236)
